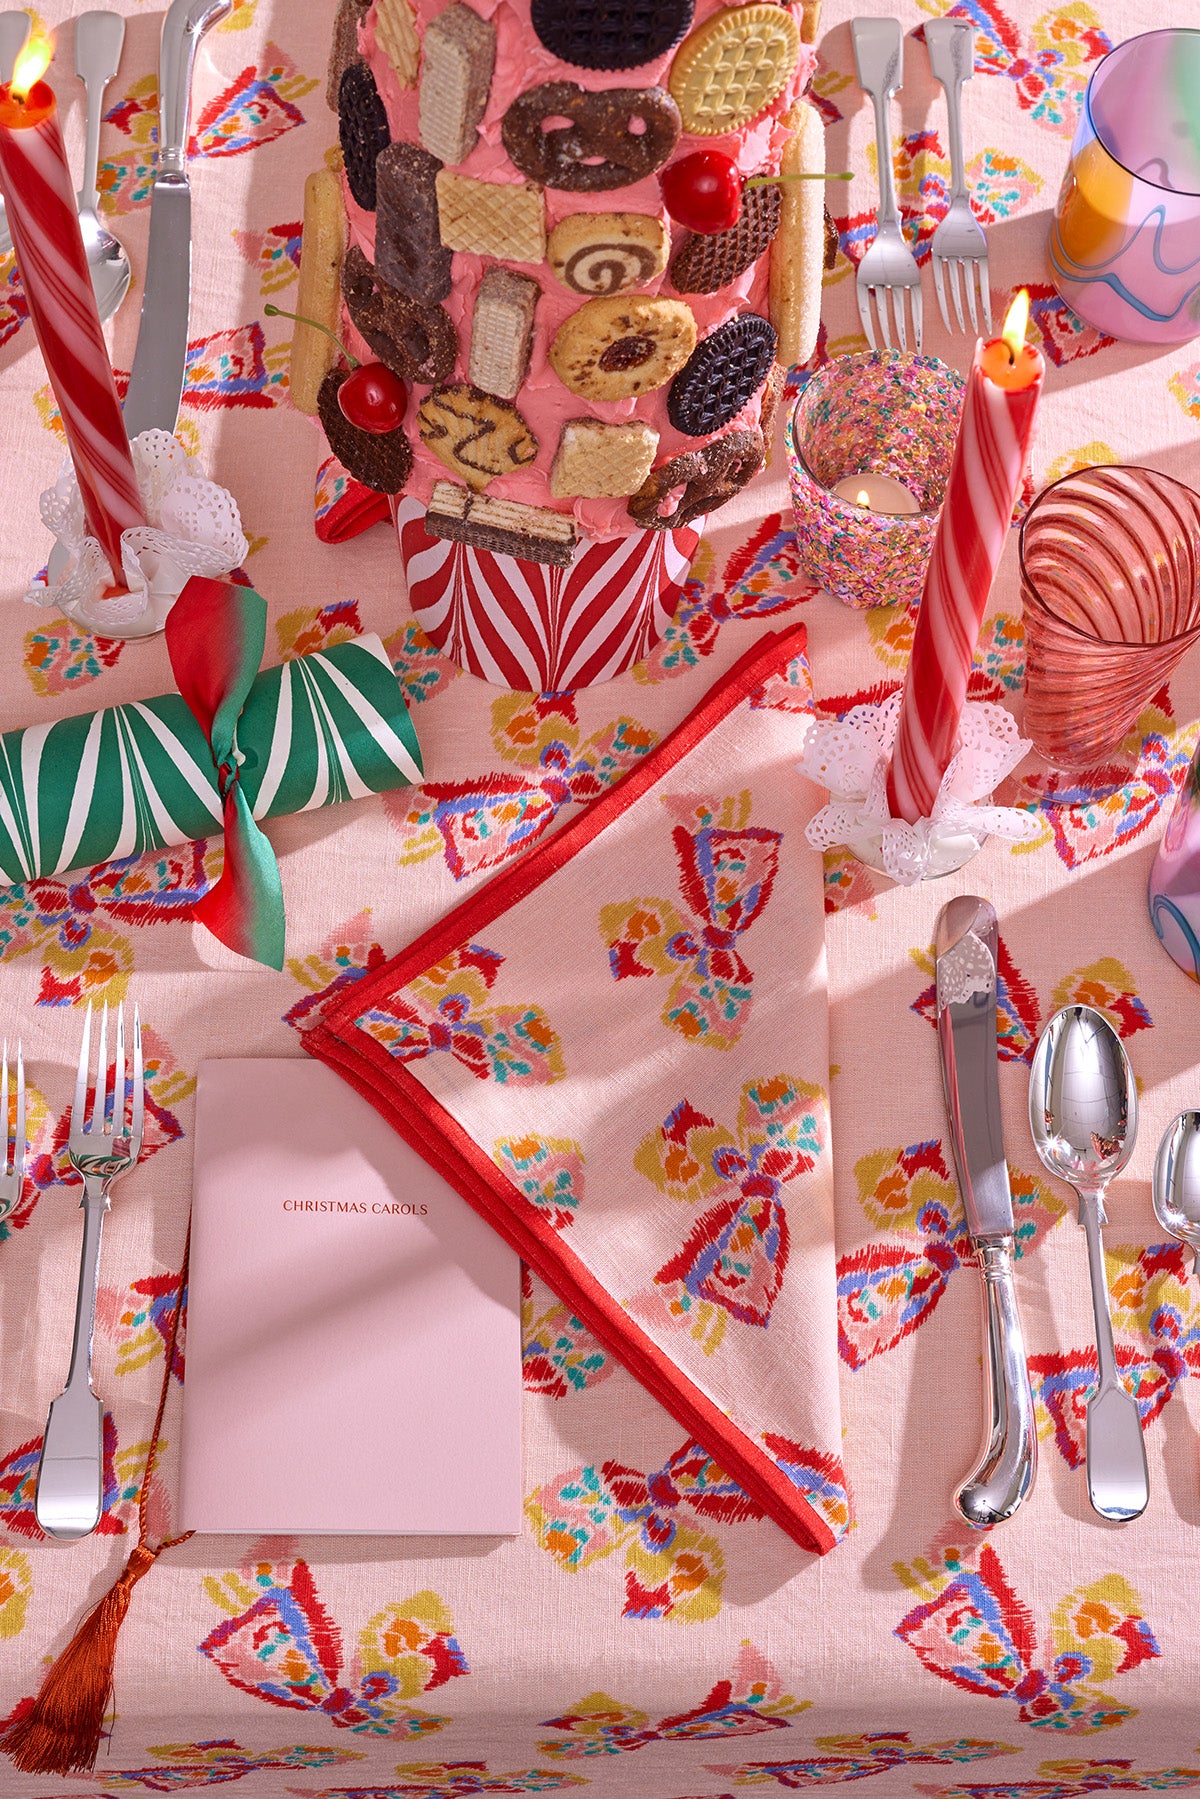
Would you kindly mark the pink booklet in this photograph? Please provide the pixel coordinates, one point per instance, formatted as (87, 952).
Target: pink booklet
(353, 1333)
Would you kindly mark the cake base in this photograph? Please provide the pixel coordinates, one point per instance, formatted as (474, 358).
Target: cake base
(540, 629)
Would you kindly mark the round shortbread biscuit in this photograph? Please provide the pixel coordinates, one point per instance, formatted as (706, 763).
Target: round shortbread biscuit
(731, 68)
(616, 347)
(608, 252)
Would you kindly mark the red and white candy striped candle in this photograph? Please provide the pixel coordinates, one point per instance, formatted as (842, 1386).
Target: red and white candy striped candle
(40, 204)
(989, 462)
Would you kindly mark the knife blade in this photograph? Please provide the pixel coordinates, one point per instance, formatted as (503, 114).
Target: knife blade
(966, 942)
(160, 360)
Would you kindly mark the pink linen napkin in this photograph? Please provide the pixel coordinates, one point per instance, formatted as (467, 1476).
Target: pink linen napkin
(617, 1051)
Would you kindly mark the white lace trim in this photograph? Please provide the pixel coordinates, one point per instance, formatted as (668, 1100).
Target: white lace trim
(194, 528)
(850, 757)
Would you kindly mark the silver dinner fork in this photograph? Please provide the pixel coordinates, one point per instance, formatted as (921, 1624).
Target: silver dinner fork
(959, 248)
(889, 266)
(12, 1166)
(70, 1486)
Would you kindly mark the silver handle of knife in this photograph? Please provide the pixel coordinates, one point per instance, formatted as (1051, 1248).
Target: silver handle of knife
(1008, 1461)
(184, 26)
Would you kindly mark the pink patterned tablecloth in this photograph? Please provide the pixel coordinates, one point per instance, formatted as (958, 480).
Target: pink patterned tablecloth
(667, 1645)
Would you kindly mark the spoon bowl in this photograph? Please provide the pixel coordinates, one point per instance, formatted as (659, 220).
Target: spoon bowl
(1176, 1185)
(108, 263)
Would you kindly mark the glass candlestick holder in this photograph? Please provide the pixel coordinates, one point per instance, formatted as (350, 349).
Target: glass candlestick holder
(869, 447)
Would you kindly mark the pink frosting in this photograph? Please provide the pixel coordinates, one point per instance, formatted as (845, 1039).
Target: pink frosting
(544, 402)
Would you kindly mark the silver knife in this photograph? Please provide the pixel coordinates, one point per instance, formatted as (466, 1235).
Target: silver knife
(965, 946)
(156, 380)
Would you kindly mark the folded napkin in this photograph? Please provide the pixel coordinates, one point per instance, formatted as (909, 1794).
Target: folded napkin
(617, 1052)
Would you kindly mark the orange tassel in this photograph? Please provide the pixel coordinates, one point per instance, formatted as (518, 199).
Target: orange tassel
(61, 1732)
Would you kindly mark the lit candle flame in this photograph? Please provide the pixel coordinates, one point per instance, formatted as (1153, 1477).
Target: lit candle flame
(1016, 323)
(862, 497)
(31, 64)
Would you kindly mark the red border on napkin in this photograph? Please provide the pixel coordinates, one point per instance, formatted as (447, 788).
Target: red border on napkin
(437, 1135)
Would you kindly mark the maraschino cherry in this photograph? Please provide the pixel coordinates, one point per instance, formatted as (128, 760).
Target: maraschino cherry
(372, 396)
(704, 190)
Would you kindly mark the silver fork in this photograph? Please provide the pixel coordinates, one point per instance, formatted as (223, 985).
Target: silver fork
(70, 1481)
(889, 266)
(959, 248)
(12, 1168)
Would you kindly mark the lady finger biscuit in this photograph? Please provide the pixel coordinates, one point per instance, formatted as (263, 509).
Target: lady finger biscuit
(456, 76)
(322, 246)
(502, 331)
(798, 253)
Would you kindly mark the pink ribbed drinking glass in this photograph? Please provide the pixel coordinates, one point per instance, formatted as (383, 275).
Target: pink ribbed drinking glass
(1110, 588)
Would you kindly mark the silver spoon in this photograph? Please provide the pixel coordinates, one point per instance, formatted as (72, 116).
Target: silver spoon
(1083, 1115)
(14, 33)
(1177, 1182)
(99, 37)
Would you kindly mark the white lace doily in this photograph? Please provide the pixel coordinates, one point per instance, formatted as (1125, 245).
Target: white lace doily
(194, 528)
(850, 757)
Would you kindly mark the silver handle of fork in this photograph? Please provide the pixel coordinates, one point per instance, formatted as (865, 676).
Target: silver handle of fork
(951, 46)
(70, 1480)
(879, 60)
(99, 37)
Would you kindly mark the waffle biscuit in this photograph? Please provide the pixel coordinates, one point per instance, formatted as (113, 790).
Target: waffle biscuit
(492, 218)
(409, 252)
(602, 462)
(797, 260)
(502, 331)
(344, 48)
(727, 369)
(587, 140)
(415, 338)
(363, 129)
(317, 295)
(610, 34)
(458, 58)
(709, 260)
(396, 35)
(506, 527)
(477, 436)
(733, 66)
(380, 460)
(607, 252)
(619, 346)
(708, 476)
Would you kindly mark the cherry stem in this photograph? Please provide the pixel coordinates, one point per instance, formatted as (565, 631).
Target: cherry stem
(277, 312)
(773, 180)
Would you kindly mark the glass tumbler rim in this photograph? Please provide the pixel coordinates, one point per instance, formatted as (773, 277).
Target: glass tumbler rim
(1176, 31)
(1029, 588)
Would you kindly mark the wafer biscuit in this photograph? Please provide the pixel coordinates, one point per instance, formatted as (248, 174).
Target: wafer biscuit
(731, 68)
(396, 35)
(322, 246)
(502, 331)
(506, 527)
(477, 436)
(798, 253)
(602, 462)
(381, 460)
(492, 218)
(707, 261)
(456, 75)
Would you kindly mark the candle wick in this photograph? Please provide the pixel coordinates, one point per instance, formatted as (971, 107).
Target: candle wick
(1012, 354)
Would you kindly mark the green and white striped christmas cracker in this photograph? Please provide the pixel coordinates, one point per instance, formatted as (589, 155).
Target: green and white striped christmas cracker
(326, 727)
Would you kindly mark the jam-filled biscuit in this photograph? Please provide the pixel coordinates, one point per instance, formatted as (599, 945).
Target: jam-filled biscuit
(610, 34)
(619, 346)
(607, 252)
(415, 338)
(727, 369)
(733, 67)
(702, 479)
(611, 136)
(477, 436)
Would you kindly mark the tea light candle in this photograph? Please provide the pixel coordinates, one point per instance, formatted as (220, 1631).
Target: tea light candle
(877, 493)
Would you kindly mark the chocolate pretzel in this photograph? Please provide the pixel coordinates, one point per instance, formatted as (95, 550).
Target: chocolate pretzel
(708, 476)
(598, 147)
(415, 338)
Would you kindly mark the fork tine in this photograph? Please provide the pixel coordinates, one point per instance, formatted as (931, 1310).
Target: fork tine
(879, 296)
(4, 1110)
(100, 1101)
(19, 1145)
(985, 294)
(139, 1085)
(969, 280)
(918, 318)
(954, 270)
(79, 1103)
(939, 288)
(901, 321)
(118, 1105)
(863, 297)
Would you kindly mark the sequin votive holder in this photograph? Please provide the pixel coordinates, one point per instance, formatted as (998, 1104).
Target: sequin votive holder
(884, 414)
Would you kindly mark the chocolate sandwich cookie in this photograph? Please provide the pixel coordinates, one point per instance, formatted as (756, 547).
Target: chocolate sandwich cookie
(409, 252)
(610, 34)
(724, 371)
(415, 338)
(363, 129)
(708, 476)
(708, 261)
(380, 460)
(612, 136)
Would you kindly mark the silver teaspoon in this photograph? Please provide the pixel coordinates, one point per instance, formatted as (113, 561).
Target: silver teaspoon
(1083, 1115)
(99, 37)
(14, 31)
(1176, 1185)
